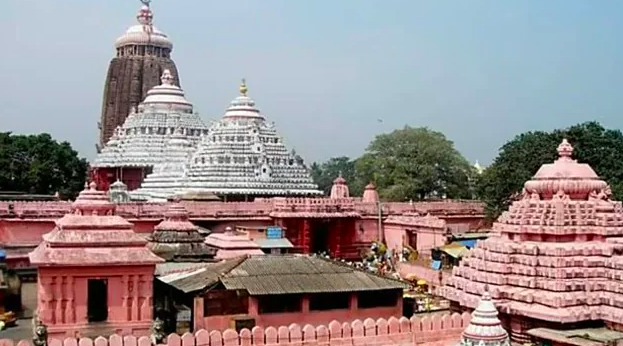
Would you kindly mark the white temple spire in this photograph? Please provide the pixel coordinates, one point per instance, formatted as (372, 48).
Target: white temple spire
(485, 326)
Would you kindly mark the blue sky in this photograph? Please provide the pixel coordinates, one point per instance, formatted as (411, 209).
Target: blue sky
(326, 70)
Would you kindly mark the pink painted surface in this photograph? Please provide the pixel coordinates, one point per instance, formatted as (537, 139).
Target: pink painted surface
(93, 243)
(233, 244)
(434, 331)
(554, 256)
(25, 223)
(428, 231)
(339, 188)
(306, 316)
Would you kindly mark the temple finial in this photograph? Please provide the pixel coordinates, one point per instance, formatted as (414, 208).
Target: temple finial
(243, 87)
(565, 149)
(145, 16)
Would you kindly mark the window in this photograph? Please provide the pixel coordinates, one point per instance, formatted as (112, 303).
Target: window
(225, 302)
(377, 299)
(329, 301)
(97, 300)
(279, 303)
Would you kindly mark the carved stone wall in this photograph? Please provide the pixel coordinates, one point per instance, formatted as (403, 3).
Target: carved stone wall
(127, 83)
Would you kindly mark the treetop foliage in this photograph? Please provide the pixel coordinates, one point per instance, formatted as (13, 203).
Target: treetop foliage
(38, 164)
(521, 157)
(406, 164)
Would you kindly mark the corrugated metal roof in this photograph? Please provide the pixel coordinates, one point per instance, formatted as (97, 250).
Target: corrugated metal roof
(281, 243)
(280, 274)
(176, 267)
(201, 278)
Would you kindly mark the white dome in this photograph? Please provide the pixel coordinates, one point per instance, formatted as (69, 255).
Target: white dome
(144, 33)
(167, 94)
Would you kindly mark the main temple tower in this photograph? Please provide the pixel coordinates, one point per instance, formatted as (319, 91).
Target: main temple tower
(143, 53)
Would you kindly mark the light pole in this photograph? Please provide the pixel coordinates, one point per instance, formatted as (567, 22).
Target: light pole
(379, 206)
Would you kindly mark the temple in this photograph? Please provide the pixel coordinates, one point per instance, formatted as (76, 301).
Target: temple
(163, 127)
(243, 157)
(143, 54)
(485, 327)
(555, 258)
(176, 239)
(94, 272)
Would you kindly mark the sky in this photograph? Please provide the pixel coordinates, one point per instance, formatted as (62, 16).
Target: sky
(326, 71)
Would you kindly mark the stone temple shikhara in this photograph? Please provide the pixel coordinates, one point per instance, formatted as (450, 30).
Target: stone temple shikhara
(241, 156)
(164, 119)
(556, 257)
(142, 54)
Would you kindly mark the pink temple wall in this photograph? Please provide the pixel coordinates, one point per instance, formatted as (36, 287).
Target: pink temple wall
(62, 298)
(437, 330)
(14, 231)
(427, 238)
(367, 230)
(304, 316)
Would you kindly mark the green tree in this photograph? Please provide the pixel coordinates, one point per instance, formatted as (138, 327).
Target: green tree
(415, 163)
(520, 158)
(324, 174)
(40, 165)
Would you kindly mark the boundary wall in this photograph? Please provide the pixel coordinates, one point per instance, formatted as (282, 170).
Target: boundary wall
(437, 330)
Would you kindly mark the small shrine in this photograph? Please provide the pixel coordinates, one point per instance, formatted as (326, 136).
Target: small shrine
(94, 272)
(233, 243)
(554, 259)
(176, 239)
(485, 328)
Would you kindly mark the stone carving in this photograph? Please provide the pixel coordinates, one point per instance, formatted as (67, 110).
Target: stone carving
(240, 155)
(158, 335)
(40, 334)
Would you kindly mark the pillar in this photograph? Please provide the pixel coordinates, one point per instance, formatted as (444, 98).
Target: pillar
(254, 309)
(198, 314)
(353, 306)
(337, 230)
(304, 237)
(305, 304)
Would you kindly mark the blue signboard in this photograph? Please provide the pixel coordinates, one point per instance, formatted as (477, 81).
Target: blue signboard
(274, 232)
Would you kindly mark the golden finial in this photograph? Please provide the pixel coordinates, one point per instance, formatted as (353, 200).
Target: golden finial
(243, 87)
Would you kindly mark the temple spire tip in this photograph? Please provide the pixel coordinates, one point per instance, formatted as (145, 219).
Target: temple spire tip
(243, 87)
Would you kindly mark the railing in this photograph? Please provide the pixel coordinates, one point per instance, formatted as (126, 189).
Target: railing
(382, 332)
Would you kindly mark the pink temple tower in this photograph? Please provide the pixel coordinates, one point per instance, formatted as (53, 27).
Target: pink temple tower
(555, 259)
(94, 273)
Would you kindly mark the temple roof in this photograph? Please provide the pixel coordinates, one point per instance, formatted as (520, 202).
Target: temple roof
(243, 154)
(282, 274)
(144, 32)
(232, 244)
(143, 139)
(485, 325)
(555, 255)
(177, 239)
(167, 177)
(91, 235)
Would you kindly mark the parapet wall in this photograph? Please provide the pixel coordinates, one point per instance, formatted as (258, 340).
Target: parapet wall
(259, 208)
(434, 330)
